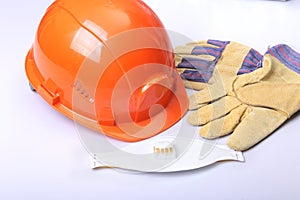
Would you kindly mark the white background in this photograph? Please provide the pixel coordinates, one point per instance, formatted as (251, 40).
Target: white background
(41, 156)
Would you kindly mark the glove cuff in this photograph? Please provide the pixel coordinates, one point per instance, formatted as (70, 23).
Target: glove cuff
(287, 56)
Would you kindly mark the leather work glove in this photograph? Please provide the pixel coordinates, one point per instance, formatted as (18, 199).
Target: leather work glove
(205, 62)
(250, 105)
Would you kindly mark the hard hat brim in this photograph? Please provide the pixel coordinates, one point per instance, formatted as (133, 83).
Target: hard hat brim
(174, 111)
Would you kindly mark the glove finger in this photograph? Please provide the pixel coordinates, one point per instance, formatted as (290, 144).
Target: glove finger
(257, 125)
(213, 111)
(224, 125)
(208, 94)
(191, 84)
(266, 94)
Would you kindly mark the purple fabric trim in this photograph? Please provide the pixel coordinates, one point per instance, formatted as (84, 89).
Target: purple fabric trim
(287, 56)
(252, 61)
(200, 70)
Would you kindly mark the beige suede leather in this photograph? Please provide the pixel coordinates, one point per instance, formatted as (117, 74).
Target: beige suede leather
(251, 106)
(227, 66)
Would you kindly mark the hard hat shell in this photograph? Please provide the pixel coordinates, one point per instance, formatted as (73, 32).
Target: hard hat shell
(107, 64)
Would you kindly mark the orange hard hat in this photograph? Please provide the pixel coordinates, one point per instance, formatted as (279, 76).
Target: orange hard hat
(109, 65)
